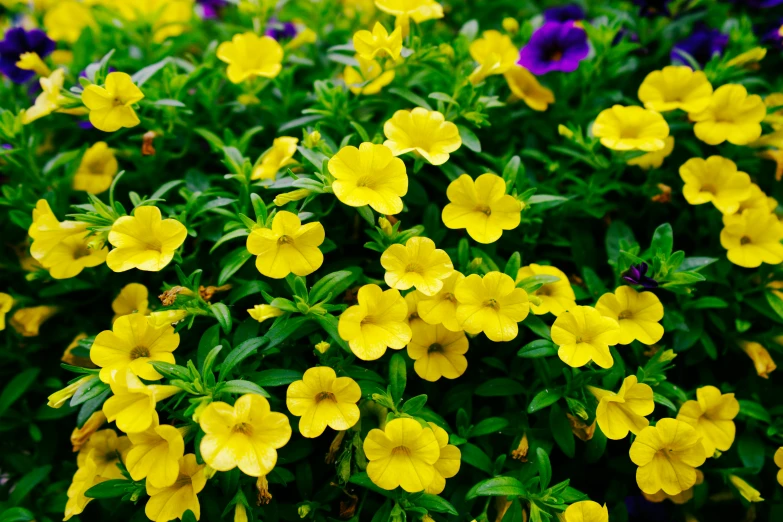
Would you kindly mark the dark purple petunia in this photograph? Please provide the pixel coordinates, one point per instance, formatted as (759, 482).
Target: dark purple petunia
(636, 275)
(281, 30)
(18, 41)
(211, 8)
(702, 45)
(758, 4)
(653, 8)
(555, 46)
(564, 13)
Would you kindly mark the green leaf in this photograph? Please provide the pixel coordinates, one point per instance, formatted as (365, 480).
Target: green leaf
(397, 377)
(488, 426)
(708, 302)
(223, 316)
(361, 479)
(750, 449)
(660, 399)
(366, 213)
(334, 283)
(775, 302)
(510, 174)
(27, 483)
(282, 330)
(469, 138)
(242, 387)
(171, 371)
(662, 240)
(561, 430)
(232, 263)
(414, 404)
(475, 456)
(695, 264)
(16, 388)
(435, 503)
(497, 487)
(19, 514)
(595, 447)
(276, 377)
(512, 265)
(141, 76)
(754, 410)
(538, 348)
(537, 326)
(88, 390)
(499, 387)
(411, 97)
(544, 468)
(109, 489)
(241, 352)
(543, 399)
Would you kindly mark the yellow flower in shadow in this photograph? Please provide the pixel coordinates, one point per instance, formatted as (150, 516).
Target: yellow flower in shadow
(555, 297)
(637, 313)
(712, 415)
(437, 351)
(171, 502)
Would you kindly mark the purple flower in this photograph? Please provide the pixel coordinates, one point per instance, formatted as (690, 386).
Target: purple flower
(758, 4)
(772, 36)
(281, 30)
(653, 8)
(564, 13)
(702, 45)
(18, 41)
(211, 8)
(554, 46)
(636, 275)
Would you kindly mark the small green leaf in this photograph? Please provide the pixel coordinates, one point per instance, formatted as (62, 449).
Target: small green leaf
(543, 399)
(544, 468)
(538, 348)
(397, 377)
(497, 487)
(488, 426)
(223, 316)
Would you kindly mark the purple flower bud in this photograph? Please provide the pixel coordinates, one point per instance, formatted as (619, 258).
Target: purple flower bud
(636, 275)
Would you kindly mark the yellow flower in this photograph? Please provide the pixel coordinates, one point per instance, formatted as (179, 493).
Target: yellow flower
(676, 87)
(50, 99)
(712, 415)
(144, 241)
(680, 498)
(654, 160)
(376, 323)
(637, 313)
(758, 199)
(107, 450)
(747, 491)
(761, 359)
(33, 62)
(322, 399)
(6, 302)
(133, 298)
(441, 308)
(524, 86)
(752, 238)
(48, 233)
(406, 10)
(249, 55)
(715, 179)
(779, 463)
(752, 56)
(369, 79)
(60, 397)
(84, 478)
(402, 454)
(96, 170)
(731, 116)
(27, 321)
(262, 312)
(66, 20)
(482, 207)
(667, 455)
(555, 297)
(775, 119)
(412, 300)
(155, 455)
(290, 197)
(495, 54)
(132, 344)
(424, 132)
(167, 18)
(492, 304)
(111, 106)
(133, 404)
(69, 256)
(80, 436)
(417, 264)
(625, 411)
(437, 351)
(369, 175)
(586, 511)
(171, 502)
(583, 334)
(322, 347)
(246, 435)
(368, 44)
(167, 317)
(288, 247)
(631, 128)
(280, 155)
(447, 464)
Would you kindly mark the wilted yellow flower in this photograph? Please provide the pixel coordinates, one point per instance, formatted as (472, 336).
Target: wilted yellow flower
(437, 351)
(584, 335)
(80, 436)
(27, 321)
(171, 502)
(654, 160)
(752, 238)
(448, 462)
(111, 107)
(133, 404)
(107, 450)
(50, 99)
(155, 455)
(144, 241)
(491, 304)
(96, 170)
(369, 79)
(288, 247)
(249, 55)
(262, 312)
(368, 44)
(322, 399)
(715, 180)
(747, 491)
(624, 411)
(273, 160)
(406, 10)
(424, 132)
(6, 302)
(638, 314)
(133, 298)
(555, 297)
(732, 116)
(586, 511)
(441, 308)
(417, 264)
(495, 54)
(524, 86)
(760, 356)
(631, 128)
(676, 87)
(482, 207)
(402, 454)
(66, 20)
(377, 322)
(86, 476)
(60, 397)
(712, 415)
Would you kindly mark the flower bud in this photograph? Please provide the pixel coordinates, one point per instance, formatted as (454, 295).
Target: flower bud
(290, 197)
(510, 25)
(58, 398)
(385, 225)
(162, 318)
(240, 513)
(312, 139)
(565, 132)
(322, 347)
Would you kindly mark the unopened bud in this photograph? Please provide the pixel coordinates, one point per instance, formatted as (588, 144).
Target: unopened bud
(510, 25)
(290, 197)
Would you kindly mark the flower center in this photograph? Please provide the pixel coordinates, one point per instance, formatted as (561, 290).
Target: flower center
(402, 450)
(625, 314)
(154, 244)
(484, 209)
(556, 55)
(580, 339)
(325, 396)
(81, 251)
(285, 240)
(545, 290)
(414, 267)
(368, 320)
(244, 428)
(745, 240)
(450, 297)
(435, 347)
(117, 102)
(491, 303)
(709, 188)
(139, 351)
(364, 181)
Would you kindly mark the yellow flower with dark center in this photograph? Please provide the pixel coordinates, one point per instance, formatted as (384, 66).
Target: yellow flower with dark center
(524, 86)
(171, 502)
(111, 106)
(412, 300)
(107, 450)
(288, 247)
(631, 128)
(262, 312)
(441, 308)
(667, 455)
(584, 335)
(654, 160)
(482, 207)
(555, 297)
(417, 264)
(424, 132)
(757, 199)
(131, 344)
(50, 99)
(402, 454)
(27, 321)
(144, 241)
(492, 304)
(712, 414)
(761, 358)
(96, 169)
(624, 411)
(676, 87)
(448, 462)
(586, 511)
(752, 238)
(779, 463)
(368, 44)
(280, 155)
(249, 55)
(378, 322)
(495, 54)
(638, 314)
(322, 399)
(732, 116)
(246, 435)
(66, 20)
(84, 478)
(155, 454)
(715, 180)
(437, 351)
(6, 303)
(406, 10)
(133, 404)
(369, 175)
(133, 298)
(747, 491)
(369, 79)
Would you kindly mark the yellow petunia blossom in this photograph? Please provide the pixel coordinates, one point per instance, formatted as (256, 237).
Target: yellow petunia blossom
(171, 502)
(412, 300)
(262, 312)
(667, 455)
(745, 490)
(6, 303)
(155, 455)
(638, 314)
(402, 454)
(680, 498)
(441, 308)
(437, 351)
(624, 411)
(631, 128)
(96, 169)
(654, 160)
(425, 132)
(525, 86)
(757, 199)
(712, 414)
(322, 399)
(482, 207)
(144, 241)
(132, 406)
(369, 79)
(166, 18)
(133, 298)
(779, 463)
(377, 322)
(86, 476)
(775, 118)
(107, 450)
(288, 247)
(64, 242)
(715, 180)
(555, 297)
(111, 106)
(50, 99)
(492, 304)
(732, 116)
(675, 87)
(27, 321)
(752, 238)
(368, 44)
(249, 55)
(448, 463)
(246, 435)
(60, 397)
(80, 436)
(761, 358)
(279, 156)
(66, 20)
(583, 334)
(495, 54)
(72, 255)
(416, 264)
(406, 10)
(586, 511)
(369, 175)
